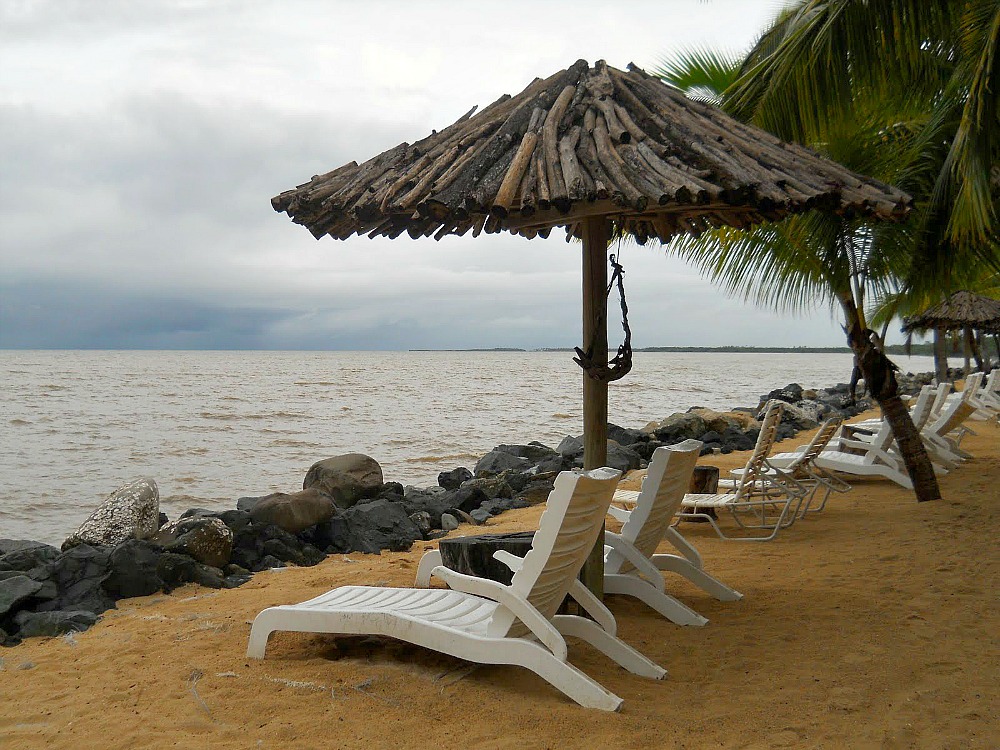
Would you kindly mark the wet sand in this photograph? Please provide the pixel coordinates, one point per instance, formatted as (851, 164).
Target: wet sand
(873, 624)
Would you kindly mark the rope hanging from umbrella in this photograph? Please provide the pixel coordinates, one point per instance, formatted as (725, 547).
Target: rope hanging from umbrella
(621, 363)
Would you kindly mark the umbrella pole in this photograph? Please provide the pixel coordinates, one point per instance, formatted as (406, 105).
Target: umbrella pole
(595, 392)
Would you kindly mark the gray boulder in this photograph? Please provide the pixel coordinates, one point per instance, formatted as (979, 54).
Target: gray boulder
(208, 540)
(432, 503)
(570, 446)
(14, 591)
(626, 435)
(422, 520)
(533, 451)
(347, 478)
(452, 480)
(622, 458)
(503, 484)
(294, 512)
(449, 522)
(133, 569)
(716, 421)
(25, 555)
(800, 418)
(51, 624)
(369, 527)
(176, 570)
(480, 516)
(498, 461)
(130, 512)
(679, 427)
(78, 575)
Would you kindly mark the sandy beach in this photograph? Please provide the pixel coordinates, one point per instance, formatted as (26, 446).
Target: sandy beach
(870, 625)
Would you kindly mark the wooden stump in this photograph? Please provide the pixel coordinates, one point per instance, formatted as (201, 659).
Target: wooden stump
(704, 481)
(473, 555)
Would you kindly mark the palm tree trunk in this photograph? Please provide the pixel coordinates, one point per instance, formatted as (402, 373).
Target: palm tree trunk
(976, 342)
(880, 379)
(967, 350)
(940, 356)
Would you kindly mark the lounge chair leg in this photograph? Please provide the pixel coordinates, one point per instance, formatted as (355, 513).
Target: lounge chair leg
(701, 579)
(565, 677)
(260, 631)
(614, 648)
(663, 603)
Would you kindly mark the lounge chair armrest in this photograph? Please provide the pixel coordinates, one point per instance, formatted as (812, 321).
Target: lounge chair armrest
(542, 629)
(784, 481)
(619, 514)
(430, 560)
(683, 546)
(586, 599)
(593, 606)
(642, 563)
(512, 561)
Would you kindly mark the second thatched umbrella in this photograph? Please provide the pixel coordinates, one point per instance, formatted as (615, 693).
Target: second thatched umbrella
(600, 152)
(962, 311)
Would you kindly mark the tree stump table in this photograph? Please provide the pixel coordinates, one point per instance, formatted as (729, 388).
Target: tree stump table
(473, 555)
(704, 481)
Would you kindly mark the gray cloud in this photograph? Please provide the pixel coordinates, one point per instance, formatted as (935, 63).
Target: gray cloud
(141, 143)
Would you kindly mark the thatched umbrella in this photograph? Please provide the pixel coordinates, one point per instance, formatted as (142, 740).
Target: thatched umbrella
(963, 311)
(598, 151)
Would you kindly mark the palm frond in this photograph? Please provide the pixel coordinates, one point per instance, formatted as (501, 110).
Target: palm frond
(701, 73)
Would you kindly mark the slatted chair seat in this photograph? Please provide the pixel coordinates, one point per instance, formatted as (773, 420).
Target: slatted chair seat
(762, 498)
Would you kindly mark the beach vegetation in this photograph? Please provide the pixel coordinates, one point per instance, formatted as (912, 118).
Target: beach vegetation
(904, 91)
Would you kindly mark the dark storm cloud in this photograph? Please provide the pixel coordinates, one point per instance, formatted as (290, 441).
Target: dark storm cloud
(140, 145)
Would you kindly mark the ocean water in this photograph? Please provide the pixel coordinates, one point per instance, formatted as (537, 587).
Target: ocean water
(211, 427)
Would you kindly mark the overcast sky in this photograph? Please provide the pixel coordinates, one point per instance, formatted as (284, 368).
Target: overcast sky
(141, 142)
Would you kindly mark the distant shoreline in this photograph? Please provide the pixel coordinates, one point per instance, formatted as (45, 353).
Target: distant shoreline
(894, 349)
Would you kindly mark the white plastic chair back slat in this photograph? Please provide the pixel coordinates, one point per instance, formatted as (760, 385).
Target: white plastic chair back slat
(567, 532)
(924, 406)
(667, 479)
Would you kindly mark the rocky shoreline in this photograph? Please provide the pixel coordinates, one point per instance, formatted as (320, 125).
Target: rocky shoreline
(127, 548)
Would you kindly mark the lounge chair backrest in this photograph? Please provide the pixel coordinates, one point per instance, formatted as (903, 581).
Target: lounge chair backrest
(567, 532)
(972, 384)
(953, 417)
(922, 408)
(992, 383)
(765, 440)
(943, 390)
(668, 478)
(817, 445)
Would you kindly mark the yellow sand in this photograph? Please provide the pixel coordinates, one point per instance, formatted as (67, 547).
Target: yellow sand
(872, 625)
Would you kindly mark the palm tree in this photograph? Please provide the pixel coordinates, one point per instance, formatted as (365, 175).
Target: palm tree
(940, 59)
(809, 258)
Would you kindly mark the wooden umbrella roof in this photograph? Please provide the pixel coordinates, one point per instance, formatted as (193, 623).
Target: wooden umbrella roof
(961, 310)
(585, 142)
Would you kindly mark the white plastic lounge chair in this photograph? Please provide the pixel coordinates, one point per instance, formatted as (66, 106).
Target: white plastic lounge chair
(942, 438)
(801, 466)
(485, 621)
(930, 396)
(763, 496)
(990, 393)
(631, 565)
(975, 392)
(876, 457)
